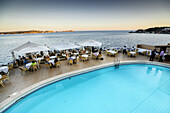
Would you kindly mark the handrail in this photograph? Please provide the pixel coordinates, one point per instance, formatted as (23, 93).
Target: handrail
(116, 63)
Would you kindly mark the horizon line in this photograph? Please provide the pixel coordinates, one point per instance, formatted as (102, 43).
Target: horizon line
(63, 30)
(88, 30)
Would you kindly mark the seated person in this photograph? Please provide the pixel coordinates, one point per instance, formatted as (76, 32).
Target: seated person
(47, 59)
(30, 57)
(99, 57)
(2, 73)
(95, 54)
(19, 57)
(55, 60)
(38, 55)
(23, 57)
(41, 53)
(60, 54)
(25, 61)
(34, 63)
(44, 58)
(101, 49)
(75, 60)
(77, 56)
(70, 58)
(55, 51)
(80, 53)
(133, 48)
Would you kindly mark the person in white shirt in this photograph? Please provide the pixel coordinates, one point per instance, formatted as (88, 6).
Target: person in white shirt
(133, 48)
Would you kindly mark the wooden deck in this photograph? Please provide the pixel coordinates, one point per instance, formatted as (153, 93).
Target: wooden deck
(20, 80)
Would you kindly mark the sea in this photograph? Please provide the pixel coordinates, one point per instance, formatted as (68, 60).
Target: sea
(112, 38)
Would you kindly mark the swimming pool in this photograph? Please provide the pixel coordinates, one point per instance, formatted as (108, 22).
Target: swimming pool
(137, 88)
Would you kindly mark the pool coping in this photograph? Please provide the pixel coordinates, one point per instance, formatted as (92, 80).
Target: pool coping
(13, 98)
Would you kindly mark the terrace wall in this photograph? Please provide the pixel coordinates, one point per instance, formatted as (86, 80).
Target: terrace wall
(149, 47)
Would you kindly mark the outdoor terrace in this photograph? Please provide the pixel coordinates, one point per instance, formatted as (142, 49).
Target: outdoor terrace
(19, 80)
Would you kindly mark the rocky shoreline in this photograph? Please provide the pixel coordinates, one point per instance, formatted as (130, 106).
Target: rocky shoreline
(33, 31)
(154, 30)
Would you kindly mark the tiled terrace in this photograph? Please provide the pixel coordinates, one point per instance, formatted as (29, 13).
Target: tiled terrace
(20, 80)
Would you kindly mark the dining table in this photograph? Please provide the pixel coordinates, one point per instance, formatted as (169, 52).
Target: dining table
(85, 56)
(53, 57)
(51, 61)
(132, 53)
(73, 57)
(87, 52)
(76, 53)
(38, 59)
(64, 55)
(112, 52)
(4, 69)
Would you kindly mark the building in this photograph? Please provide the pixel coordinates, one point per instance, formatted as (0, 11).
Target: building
(166, 48)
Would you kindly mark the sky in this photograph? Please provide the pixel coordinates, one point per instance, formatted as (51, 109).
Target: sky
(83, 15)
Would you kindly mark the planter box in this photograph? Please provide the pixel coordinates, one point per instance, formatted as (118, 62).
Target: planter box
(167, 57)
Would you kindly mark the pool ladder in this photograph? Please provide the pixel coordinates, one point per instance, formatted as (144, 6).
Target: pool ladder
(116, 63)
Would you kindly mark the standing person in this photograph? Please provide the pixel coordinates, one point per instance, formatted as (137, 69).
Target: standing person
(55, 60)
(124, 50)
(104, 49)
(161, 55)
(153, 53)
(42, 54)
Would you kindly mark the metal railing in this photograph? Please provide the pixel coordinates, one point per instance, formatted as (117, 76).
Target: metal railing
(116, 63)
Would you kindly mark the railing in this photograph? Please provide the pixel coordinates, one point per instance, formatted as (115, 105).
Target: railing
(116, 63)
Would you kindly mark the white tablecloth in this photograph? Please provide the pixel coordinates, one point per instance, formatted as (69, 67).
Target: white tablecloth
(37, 59)
(73, 57)
(52, 61)
(132, 53)
(86, 56)
(28, 65)
(87, 52)
(76, 53)
(113, 52)
(53, 57)
(4, 69)
(142, 50)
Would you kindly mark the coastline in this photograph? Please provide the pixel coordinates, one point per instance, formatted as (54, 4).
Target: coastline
(33, 32)
(153, 30)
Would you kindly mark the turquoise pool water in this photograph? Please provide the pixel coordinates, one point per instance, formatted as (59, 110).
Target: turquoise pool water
(129, 89)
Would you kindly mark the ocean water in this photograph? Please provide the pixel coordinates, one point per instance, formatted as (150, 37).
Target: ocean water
(129, 89)
(114, 38)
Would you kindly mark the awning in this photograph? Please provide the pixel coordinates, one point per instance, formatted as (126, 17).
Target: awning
(30, 47)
